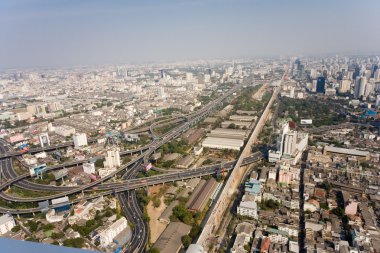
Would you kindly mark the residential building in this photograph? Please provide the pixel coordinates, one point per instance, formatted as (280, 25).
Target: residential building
(107, 235)
(80, 140)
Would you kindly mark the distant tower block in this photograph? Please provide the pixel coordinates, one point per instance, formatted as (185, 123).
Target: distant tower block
(44, 139)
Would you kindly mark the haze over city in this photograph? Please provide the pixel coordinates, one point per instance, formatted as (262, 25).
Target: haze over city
(41, 33)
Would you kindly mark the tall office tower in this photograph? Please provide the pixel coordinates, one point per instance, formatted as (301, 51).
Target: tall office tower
(290, 143)
(301, 68)
(376, 75)
(281, 137)
(80, 140)
(377, 101)
(356, 73)
(344, 86)
(325, 74)
(112, 158)
(44, 139)
(360, 84)
(291, 93)
(369, 88)
(375, 67)
(189, 77)
(162, 74)
(321, 81)
(161, 93)
(314, 86)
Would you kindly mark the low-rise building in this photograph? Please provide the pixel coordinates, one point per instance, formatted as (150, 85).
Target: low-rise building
(247, 208)
(170, 239)
(6, 223)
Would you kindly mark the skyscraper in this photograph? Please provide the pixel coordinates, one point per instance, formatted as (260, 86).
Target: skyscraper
(321, 84)
(374, 68)
(112, 159)
(80, 140)
(290, 143)
(344, 86)
(360, 85)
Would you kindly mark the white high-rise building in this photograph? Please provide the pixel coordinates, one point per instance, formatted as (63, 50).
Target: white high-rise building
(369, 88)
(89, 168)
(107, 235)
(80, 140)
(112, 159)
(360, 85)
(189, 77)
(376, 75)
(161, 93)
(344, 86)
(290, 143)
(291, 93)
(280, 141)
(377, 101)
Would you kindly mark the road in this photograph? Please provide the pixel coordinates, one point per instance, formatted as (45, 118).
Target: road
(131, 208)
(125, 190)
(302, 230)
(234, 179)
(136, 183)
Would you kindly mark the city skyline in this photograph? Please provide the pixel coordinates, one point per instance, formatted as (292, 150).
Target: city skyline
(70, 33)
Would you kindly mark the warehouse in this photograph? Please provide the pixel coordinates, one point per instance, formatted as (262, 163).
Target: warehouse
(242, 118)
(228, 133)
(165, 216)
(222, 143)
(345, 151)
(192, 136)
(185, 162)
(201, 195)
(246, 112)
(170, 239)
(240, 124)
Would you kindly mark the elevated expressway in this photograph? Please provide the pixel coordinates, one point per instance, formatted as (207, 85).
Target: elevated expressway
(135, 183)
(125, 189)
(191, 120)
(217, 211)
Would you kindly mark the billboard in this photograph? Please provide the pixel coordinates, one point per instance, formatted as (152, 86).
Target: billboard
(44, 139)
(306, 121)
(148, 167)
(16, 138)
(37, 169)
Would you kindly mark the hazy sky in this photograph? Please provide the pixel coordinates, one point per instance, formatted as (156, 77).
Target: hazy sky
(44, 33)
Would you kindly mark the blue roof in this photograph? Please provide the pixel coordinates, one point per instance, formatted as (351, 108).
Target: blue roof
(369, 112)
(253, 186)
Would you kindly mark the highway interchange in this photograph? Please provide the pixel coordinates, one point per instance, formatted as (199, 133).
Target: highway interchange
(125, 188)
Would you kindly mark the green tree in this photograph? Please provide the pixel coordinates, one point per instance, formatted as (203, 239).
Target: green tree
(181, 213)
(156, 202)
(99, 162)
(75, 242)
(33, 226)
(338, 212)
(186, 241)
(15, 229)
(232, 126)
(153, 250)
(195, 231)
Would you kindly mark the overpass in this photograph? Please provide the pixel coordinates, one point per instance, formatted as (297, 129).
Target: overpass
(192, 119)
(132, 184)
